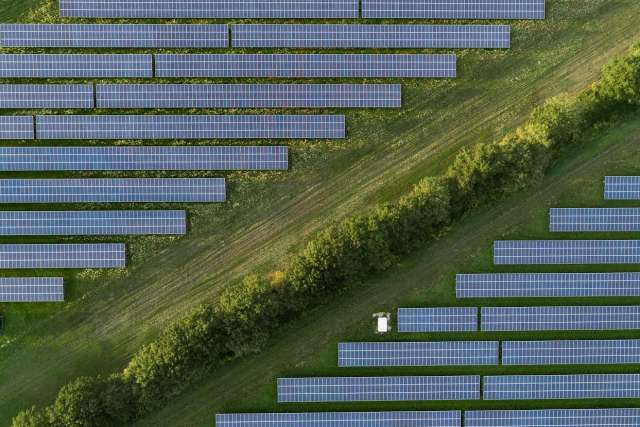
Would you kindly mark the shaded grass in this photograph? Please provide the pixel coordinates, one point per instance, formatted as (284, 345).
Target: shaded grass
(110, 314)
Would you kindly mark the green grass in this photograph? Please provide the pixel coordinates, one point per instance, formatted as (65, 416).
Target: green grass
(109, 315)
(309, 347)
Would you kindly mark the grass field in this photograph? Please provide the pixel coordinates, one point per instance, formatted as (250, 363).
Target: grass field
(268, 215)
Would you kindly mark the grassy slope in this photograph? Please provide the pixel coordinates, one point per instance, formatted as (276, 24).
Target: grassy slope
(108, 319)
(427, 279)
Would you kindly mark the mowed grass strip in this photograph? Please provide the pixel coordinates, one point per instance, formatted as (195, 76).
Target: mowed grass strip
(309, 346)
(110, 314)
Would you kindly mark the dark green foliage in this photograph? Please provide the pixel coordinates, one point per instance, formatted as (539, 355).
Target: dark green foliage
(245, 315)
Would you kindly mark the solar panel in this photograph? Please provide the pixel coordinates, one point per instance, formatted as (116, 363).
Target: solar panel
(343, 419)
(143, 158)
(248, 95)
(444, 353)
(68, 65)
(571, 318)
(16, 127)
(530, 387)
(446, 319)
(619, 417)
(454, 9)
(100, 255)
(190, 127)
(622, 188)
(513, 285)
(112, 190)
(113, 35)
(305, 65)
(512, 252)
(31, 289)
(361, 389)
(86, 223)
(571, 352)
(352, 36)
(46, 96)
(209, 9)
(595, 219)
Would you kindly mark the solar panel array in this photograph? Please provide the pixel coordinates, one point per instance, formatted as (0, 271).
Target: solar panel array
(538, 387)
(113, 35)
(72, 223)
(128, 158)
(46, 96)
(209, 9)
(248, 95)
(343, 419)
(454, 9)
(112, 190)
(16, 127)
(620, 417)
(444, 353)
(305, 65)
(190, 127)
(449, 319)
(356, 389)
(571, 352)
(370, 36)
(514, 252)
(74, 65)
(622, 188)
(513, 285)
(31, 289)
(100, 255)
(595, 219)
(571, 318)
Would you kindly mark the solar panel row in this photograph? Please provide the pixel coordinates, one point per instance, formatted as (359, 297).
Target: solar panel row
(444, 353)
(229, 65)
(512, 252)
(113, 190)
(72, 223)
(344, 419)
(305, 65)
(595, 219)
(620, 417)
(370, 36)
(538, 387)
(254, 35)
(513, 285)
(622, 188)
(443, 9)
(16, 127)
(454, 9)
(101, 255)
(565, 318)
(31, 289)
(353, 389)
(248, 95)
(113, 35)
(75, 65)
(128, 158)
(571, 352)
(450, 319)
(190, 127)
(46, 96)
(209, 9)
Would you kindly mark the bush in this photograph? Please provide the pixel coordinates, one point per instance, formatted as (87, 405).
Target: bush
(245, 315)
